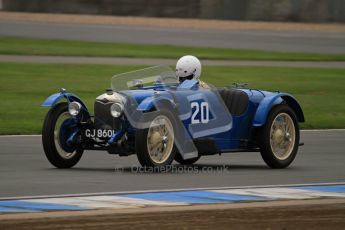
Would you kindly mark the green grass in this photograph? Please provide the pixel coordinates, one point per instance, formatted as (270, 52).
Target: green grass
(23, 87)
(24, 46)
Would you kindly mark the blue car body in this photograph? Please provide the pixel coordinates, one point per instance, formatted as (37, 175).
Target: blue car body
(233, 129)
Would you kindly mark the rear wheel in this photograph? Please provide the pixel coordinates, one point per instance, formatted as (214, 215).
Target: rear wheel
(155, 145)
(279, 138)
(57, 127)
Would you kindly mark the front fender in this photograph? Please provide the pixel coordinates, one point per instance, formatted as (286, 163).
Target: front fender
(267, 104)
(149, 103)
(55, 98)
(146, 105)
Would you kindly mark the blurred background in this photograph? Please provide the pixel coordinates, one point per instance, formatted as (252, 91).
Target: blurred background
(253, 10)
(299, 42)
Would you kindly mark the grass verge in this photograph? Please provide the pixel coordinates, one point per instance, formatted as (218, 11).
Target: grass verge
(25, 46)
(23, 87)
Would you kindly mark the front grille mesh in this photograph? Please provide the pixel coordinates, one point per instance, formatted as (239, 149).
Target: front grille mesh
(103, 118)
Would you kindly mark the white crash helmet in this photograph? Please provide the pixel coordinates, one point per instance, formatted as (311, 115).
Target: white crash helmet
(187, 68)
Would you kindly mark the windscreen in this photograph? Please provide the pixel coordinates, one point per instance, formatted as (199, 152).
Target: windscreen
(156, 75)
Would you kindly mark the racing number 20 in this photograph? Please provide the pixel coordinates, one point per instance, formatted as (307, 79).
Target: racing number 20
(204, 112)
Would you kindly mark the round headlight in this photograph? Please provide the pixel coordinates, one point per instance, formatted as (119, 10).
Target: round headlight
(116, 110)
(74, 108)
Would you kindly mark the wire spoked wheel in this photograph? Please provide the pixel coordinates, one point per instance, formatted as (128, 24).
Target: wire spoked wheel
(282, 136)
(155, 145)
(278, 139)
(160, 139)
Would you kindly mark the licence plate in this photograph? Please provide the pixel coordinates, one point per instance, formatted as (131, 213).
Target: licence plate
(99, 133)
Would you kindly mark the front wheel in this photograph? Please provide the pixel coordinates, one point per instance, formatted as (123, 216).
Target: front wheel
(155, 145)
(279, 138)
(58, 126)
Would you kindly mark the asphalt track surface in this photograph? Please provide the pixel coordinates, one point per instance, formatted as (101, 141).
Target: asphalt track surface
(290, 41)
(24, 170)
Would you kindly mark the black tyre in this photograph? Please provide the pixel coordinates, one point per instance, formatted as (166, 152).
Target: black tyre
(155, 145)
(279, 138)
(56, 150)
(180, 160)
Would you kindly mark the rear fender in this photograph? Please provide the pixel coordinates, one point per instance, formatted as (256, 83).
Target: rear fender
(270, 101)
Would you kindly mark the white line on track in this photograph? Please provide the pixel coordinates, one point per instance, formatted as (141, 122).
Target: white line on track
(29, 135)
(321, 130)
(169, 190)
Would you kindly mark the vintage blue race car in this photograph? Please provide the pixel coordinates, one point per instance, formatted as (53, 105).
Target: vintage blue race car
(150, 114)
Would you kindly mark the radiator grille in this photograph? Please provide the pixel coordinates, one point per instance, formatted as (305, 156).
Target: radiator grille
(103, 118)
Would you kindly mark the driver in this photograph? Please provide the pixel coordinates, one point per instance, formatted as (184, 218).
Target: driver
(189, 68)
